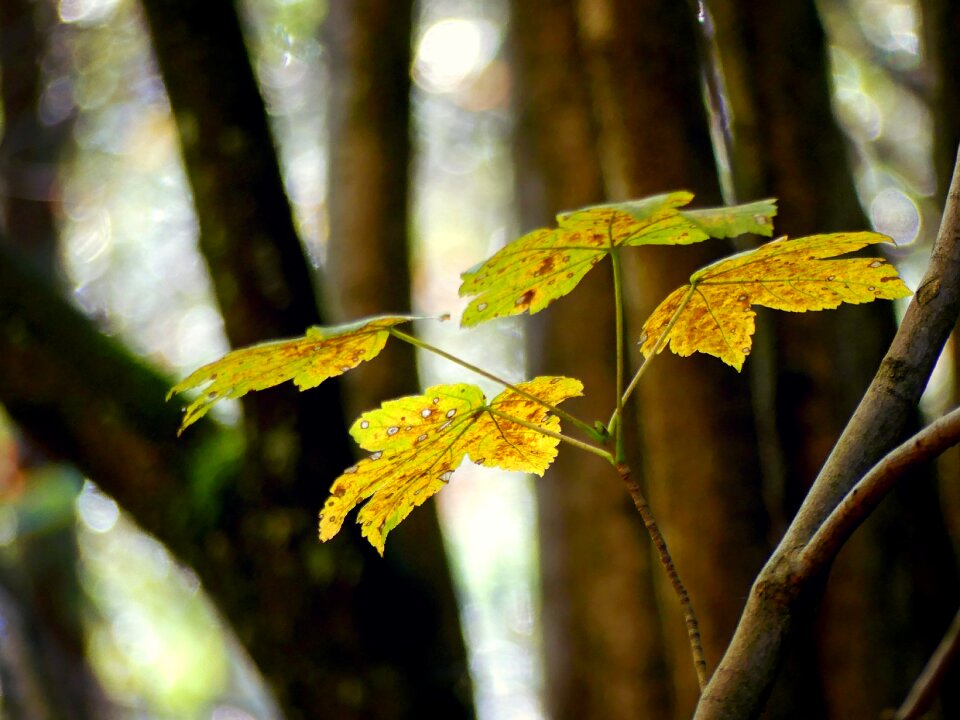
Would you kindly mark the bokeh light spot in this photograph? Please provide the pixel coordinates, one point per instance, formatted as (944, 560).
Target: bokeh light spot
(97, 511)
(894, 213)
(453, 51)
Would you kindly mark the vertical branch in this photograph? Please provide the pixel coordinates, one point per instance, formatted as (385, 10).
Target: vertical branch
(368, 43)
(648, 101)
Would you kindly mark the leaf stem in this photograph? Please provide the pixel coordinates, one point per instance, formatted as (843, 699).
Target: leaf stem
(661, 342)
(690, 618)
(600, 452)
(423, 345)
(616, 429)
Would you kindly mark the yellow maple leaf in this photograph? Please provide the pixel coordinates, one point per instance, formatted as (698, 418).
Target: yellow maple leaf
(713, 314)
(322, 353)
(418, 442)
(546, 264)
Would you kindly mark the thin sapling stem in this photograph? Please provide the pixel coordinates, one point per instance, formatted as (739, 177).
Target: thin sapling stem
(616, 430)
(925, 690)
(600, 452)
(661, 343)
(689, 616)
(562, 414)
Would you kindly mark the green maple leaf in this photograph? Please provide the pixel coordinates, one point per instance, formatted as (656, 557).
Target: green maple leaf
(419, 441)
(714, 315)
(322, 353)
(546, 264)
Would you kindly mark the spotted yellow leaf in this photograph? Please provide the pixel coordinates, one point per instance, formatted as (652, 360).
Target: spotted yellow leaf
(714, 315)
(322, 353)
(546, 264)
(418, 442)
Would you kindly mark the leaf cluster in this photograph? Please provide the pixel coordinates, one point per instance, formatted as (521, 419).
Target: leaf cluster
(417, 442)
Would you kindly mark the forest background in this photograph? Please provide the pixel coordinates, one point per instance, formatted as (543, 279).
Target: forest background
(178, 178)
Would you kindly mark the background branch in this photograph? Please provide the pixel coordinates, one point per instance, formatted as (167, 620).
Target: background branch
(924, 691)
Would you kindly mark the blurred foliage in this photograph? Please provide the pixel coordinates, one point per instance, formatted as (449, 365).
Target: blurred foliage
(159, 645)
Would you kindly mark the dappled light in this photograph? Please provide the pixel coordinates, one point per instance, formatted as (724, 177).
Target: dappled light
(171, 222)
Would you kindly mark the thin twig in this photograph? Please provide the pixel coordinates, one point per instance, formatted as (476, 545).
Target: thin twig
(617, 429)
(424, 345)
(689, 616)
(661, 343)
(600, 452)
(925, 689)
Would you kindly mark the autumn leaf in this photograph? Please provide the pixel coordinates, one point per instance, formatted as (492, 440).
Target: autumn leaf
(714, 315)
(418, 442)
(546, 264)
(322, 353)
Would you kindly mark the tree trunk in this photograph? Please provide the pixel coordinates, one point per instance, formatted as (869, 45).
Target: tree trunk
(705, 490)
(312, 616)
(368, 249)
(39, 573)
(30, 145)
(603, 649)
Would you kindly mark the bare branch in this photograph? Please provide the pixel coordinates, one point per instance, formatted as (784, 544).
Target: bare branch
(749, 666)
(867, 494)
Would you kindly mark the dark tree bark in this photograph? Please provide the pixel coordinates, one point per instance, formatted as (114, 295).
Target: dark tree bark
(31, 145)
(368, 49)
(603, 649)
(940, 24)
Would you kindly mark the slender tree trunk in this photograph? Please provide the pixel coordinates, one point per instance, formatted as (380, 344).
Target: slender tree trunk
(30, 146)
(603, 649)
(368, 249)
(706, 489)
(941, 25)
(368, 255)
(326, 640)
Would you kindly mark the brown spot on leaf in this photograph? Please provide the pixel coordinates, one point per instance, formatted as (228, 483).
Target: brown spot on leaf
(525, 299)
(546, 266)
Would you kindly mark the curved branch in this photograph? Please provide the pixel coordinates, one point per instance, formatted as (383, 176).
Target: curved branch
(927, 444)
(749, 666)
